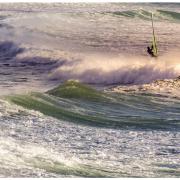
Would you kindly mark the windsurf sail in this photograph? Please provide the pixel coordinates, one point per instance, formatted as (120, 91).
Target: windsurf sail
(154, 42)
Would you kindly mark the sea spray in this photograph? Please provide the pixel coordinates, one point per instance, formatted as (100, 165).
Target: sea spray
(119, 70)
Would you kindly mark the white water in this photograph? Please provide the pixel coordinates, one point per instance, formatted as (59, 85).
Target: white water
(99, 69)
(31, 143)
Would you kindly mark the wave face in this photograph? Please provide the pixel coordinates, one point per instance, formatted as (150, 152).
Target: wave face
(107, 123)
(121, 111)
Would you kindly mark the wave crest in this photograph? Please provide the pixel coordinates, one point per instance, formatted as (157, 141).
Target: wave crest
(120, 70)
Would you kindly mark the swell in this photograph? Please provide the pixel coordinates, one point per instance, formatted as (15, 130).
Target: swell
(146, 15)
(119, 111)
(169, 14)
(134, 13)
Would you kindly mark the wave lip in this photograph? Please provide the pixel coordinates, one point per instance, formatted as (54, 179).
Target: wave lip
(74, 89)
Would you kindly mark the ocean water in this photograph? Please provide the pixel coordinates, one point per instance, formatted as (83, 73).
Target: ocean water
(119, 116)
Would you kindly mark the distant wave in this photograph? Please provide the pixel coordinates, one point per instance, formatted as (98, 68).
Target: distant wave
(170, 14)
(146, 15)
(133, 13)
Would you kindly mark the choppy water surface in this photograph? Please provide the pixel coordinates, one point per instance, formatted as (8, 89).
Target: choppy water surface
(35, 145)
(133, 132)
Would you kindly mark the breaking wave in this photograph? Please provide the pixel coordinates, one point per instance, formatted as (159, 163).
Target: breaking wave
(122, 70)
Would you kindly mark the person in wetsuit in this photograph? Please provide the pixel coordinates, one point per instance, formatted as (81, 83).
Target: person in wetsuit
(150, 51)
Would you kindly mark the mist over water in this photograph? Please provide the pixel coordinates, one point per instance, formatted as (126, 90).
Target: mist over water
(130, 128)
(120, 70)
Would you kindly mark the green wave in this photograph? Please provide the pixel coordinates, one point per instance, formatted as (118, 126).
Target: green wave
(79, 103)
(78, 170)
(101, 116)
(146, 15)
(170, 14)
(77, 90)
(52, 109)
(132, 14)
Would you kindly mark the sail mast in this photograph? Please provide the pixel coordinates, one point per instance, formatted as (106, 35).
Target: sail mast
(152, 24)
(154, 38)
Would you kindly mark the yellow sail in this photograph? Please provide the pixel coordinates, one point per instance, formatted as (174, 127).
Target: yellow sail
(154, 42)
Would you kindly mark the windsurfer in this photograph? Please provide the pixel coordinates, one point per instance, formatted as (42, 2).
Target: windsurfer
(150, 51)
(153, 49)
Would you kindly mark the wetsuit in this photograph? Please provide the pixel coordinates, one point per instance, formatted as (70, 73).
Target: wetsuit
(150, 51)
